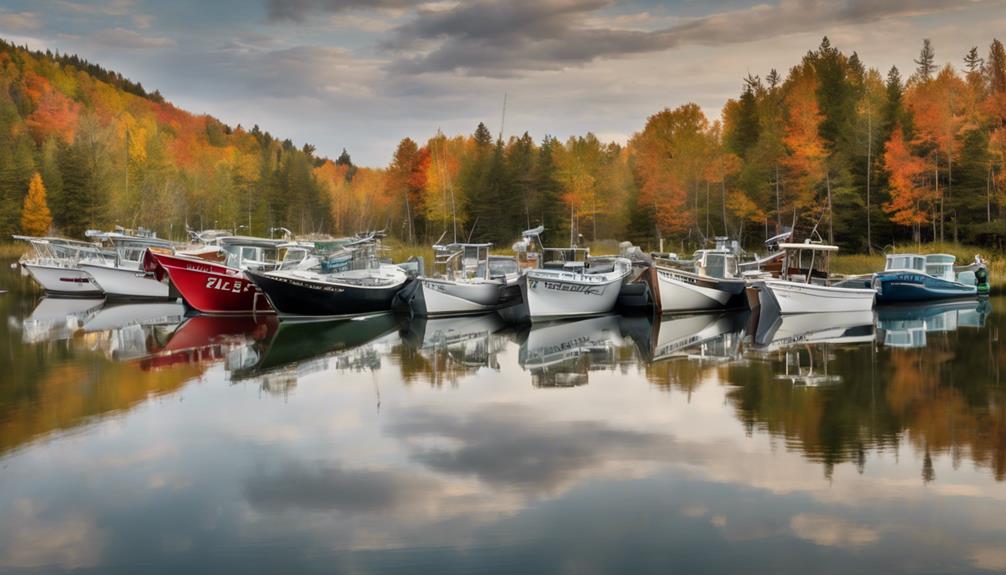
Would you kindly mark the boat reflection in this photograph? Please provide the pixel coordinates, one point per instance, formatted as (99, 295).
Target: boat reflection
(456, 346)
(805, 342)
(906, 326)
(209, 339)
(297, 348)
(57, 319)
(561, 354)
(130, 331)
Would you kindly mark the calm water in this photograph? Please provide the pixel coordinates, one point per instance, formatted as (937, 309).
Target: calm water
(133, 440)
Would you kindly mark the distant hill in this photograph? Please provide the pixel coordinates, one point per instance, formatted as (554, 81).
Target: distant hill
(112, 153)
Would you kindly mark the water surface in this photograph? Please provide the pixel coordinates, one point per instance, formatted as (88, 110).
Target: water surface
(134, 439)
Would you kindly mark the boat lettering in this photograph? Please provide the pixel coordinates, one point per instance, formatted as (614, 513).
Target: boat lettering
(75, 280)
(237, 286)
(564, 287)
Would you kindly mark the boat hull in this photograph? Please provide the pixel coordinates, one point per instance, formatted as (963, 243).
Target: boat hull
(554, 294)
(126, 284)
(302, 298)
(62, 281)
(793, 297)
(683, 291)
(895, 287)
(427, 297)
(212, 288)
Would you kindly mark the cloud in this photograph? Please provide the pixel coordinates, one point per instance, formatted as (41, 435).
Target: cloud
(507, 445)
(298, 71)
(500, 38)
(109, 8)
(39, 537)
(299, 10)
(124, 38)
(832, 531)
(142, 20)
(334, 488)
(19, 21)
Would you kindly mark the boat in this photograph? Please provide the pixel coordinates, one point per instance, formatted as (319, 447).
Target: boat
(711, 283)
(122, 277)
(907, 325)
(568, 282)
(913, 278)
(562, 353)
(58, 318)
(363, 285)
(53, 264)
(221, 288)
(803, 287)
(470, 282)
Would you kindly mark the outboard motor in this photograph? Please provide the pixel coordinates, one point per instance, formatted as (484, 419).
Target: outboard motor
(982, 280)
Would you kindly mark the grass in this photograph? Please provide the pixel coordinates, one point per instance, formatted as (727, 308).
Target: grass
(12, 250)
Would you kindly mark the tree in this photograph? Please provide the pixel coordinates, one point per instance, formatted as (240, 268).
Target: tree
(972, 61)
(35, 217)
(910, 199)
(805, 161)
(927, 60)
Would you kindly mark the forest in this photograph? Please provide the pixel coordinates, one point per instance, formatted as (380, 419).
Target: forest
(860, 157)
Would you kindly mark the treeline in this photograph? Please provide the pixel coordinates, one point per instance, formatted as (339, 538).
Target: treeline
(856, 155)
(834, 148)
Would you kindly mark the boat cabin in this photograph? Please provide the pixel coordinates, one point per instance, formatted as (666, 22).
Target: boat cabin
(718, 263)
(127, 250)
(905, 262)
(806, 262)
(461, 261)
(251, 253)
(60, 250)
(941, 266)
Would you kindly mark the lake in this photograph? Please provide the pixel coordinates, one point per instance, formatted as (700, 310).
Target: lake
(133, 439)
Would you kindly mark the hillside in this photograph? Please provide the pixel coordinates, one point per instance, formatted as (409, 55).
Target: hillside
(110, 153)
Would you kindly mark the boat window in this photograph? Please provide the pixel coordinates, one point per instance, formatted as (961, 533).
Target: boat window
(504, 266)
(906, 262)
(249, 254)
(716, 265)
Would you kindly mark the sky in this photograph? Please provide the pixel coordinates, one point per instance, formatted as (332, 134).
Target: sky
(363, 74)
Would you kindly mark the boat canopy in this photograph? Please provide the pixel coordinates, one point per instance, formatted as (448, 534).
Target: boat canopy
(808, 246)
(904, 262)
(716, 263)
(941, 266)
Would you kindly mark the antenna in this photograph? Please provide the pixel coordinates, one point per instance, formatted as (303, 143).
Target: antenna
(503, 117)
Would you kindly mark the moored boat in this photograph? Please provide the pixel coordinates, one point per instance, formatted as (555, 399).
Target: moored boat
(913, 278)
(53, 264)
(470, 282)
(365, 287)
(220, 288)
(122, 276)
(803, 287)
(711, 283)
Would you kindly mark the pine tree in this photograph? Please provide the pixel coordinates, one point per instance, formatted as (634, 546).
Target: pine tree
(35, 217)
(927, 60)
(972, 61)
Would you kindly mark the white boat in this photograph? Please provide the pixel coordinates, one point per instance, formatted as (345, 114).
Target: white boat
(803, 284)
(57, 318)
(123, 277)
(562, 353)
(469, 282)
(570, 283)
(53, 265)
(712, 283)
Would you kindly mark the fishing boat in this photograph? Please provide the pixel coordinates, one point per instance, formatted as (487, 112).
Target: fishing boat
(222, 288)
(122, 276)
(803, 287)
(568, 282)
(362, 284)
(53, 264)
(709, 281)
(470, 281)
(563, 353)
(913, 278)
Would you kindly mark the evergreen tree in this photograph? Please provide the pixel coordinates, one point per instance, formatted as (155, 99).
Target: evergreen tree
(927, 60)
(972, 61)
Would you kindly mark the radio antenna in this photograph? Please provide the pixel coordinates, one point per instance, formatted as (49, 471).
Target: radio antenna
(503, 117)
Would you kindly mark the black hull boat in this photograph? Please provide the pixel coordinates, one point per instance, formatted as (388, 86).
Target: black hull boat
(317, 297)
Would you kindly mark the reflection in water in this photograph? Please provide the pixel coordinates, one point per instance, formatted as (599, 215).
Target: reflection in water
(562, 353)
(897, 464)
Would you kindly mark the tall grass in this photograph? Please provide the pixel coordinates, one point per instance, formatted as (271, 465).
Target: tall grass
(12, 250)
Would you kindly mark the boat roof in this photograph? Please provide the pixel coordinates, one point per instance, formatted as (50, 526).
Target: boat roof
(808, 246)
(889, 256)
(251, 241)
(121, 237)
(940, 258)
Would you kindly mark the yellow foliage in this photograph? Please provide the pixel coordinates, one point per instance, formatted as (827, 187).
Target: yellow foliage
(35, 217)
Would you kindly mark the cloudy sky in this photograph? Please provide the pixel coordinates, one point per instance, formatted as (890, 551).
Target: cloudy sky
(362, 74)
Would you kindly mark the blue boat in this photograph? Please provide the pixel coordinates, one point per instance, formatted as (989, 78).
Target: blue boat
(912, 277)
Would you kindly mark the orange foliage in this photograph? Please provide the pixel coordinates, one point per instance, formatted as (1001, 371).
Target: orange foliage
(909, 203)
(806, 159)
(54, 115)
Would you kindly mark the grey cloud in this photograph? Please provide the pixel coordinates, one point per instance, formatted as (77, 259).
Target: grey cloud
(299, 10)
(124, 38)
(497, 38)
(333, 488)
(509, 445)
(19, 21)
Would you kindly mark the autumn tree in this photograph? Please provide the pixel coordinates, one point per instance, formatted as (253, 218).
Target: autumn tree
(911, 199)
(35, 217)
(806, 154)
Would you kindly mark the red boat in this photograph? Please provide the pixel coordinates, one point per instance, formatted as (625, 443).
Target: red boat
(219, 287)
